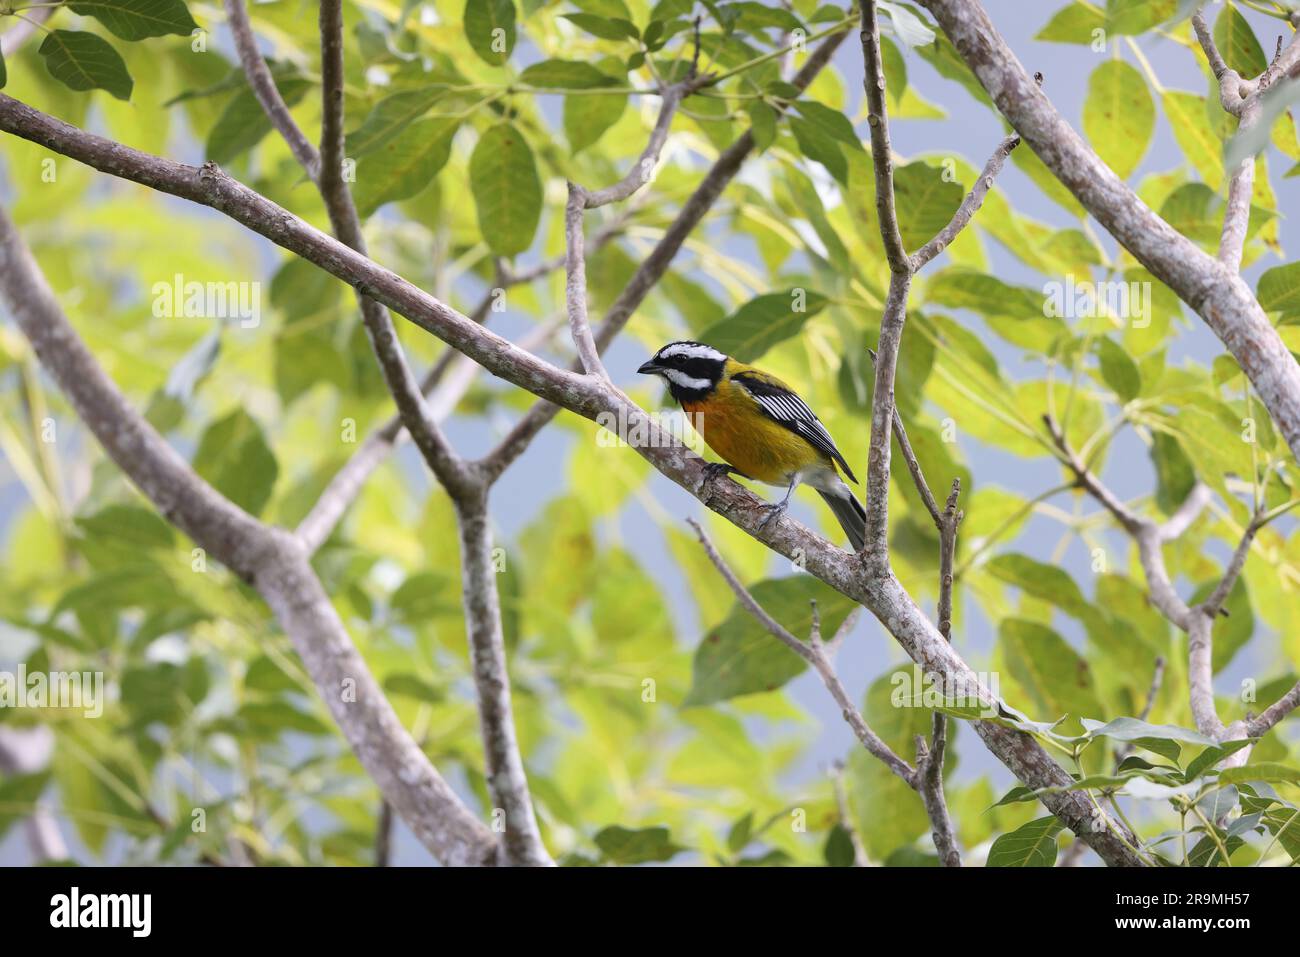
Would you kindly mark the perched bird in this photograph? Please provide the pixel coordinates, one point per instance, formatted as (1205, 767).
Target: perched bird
(763, 430)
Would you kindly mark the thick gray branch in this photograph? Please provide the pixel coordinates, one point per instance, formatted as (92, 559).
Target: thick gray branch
(272, 560)
(1212, 289)
(507, 782)
(882, 594)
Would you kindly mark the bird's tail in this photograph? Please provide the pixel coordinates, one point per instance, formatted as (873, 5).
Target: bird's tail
(849, 512)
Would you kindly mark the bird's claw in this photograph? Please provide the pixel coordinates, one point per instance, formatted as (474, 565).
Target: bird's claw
(716, 470)
(773, 511)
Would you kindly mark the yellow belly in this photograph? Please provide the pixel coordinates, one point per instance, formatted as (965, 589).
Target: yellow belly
(747, 440)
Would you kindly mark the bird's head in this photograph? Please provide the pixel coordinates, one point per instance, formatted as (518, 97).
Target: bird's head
(691, 369)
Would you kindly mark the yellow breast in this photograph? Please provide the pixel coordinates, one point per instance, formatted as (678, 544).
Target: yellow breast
(732, 425)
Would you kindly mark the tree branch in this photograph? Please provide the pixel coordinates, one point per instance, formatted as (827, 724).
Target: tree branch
(13, 39)
(969, 205)
(333, 188)
(653, 267)
(882, 154)
(1270, 716)
(26, 751)
(926, 778)
(882, 594)
(813, 654)
(1212, 289)
(270, 559)
(507, 782)
(1198, 621)
(264, 88)
(884, 415)
(1240, 98)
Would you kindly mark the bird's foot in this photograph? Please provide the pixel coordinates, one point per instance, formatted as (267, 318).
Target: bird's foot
(773, 511)
(716, 470)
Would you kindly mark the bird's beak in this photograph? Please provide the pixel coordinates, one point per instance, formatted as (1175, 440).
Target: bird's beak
(649, 368)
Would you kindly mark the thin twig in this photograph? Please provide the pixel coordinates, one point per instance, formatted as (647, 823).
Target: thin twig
(973, 201)
(1157, 678)
(653, 266)
(812, 652)
(264, 88)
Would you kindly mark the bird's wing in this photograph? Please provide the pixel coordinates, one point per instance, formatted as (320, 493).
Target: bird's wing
(786, 408)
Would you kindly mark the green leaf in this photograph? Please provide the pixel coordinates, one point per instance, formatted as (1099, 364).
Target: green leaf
(243, 122)
(1191, 128)
(1163, 739)
(627, 846)
(967, 289)
(567, 74)
(264, 674)
(1118, 370)
(838, 850)
(1212, 756)
(1132, 17)
(925, 201)
(234, 458)
(405, 164)
(1218, 802)
(1049, 583)
(163, 691)
(84, 61)
(1175, 476)
(137, 19)
(18, 795)
(742, 657)
(587, 118)
(507, 190)
(1119, 116)
(300, 289)
(1238, 44)
(908, 27)
(763, 322)
(1206, 853)
(421, 597)
(1282, 824)
(1053, 673)
(128, 526)
(607, 28)
(1030, 845)
(1279, 290)
(910, 856)
(415, 687)
(1074, 23)
(741, 833)
(822, 135)
(4, 74)
(1194, 209)
(490, 29)
(269, 719)
(762, 123)
(389, 117)
(1268, 771)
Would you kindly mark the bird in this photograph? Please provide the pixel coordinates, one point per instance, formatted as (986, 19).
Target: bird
(760, 426)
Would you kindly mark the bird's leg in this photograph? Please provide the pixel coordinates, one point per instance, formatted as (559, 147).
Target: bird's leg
(776, 509)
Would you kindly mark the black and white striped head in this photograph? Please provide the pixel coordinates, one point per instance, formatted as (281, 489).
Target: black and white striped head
(691, 369)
